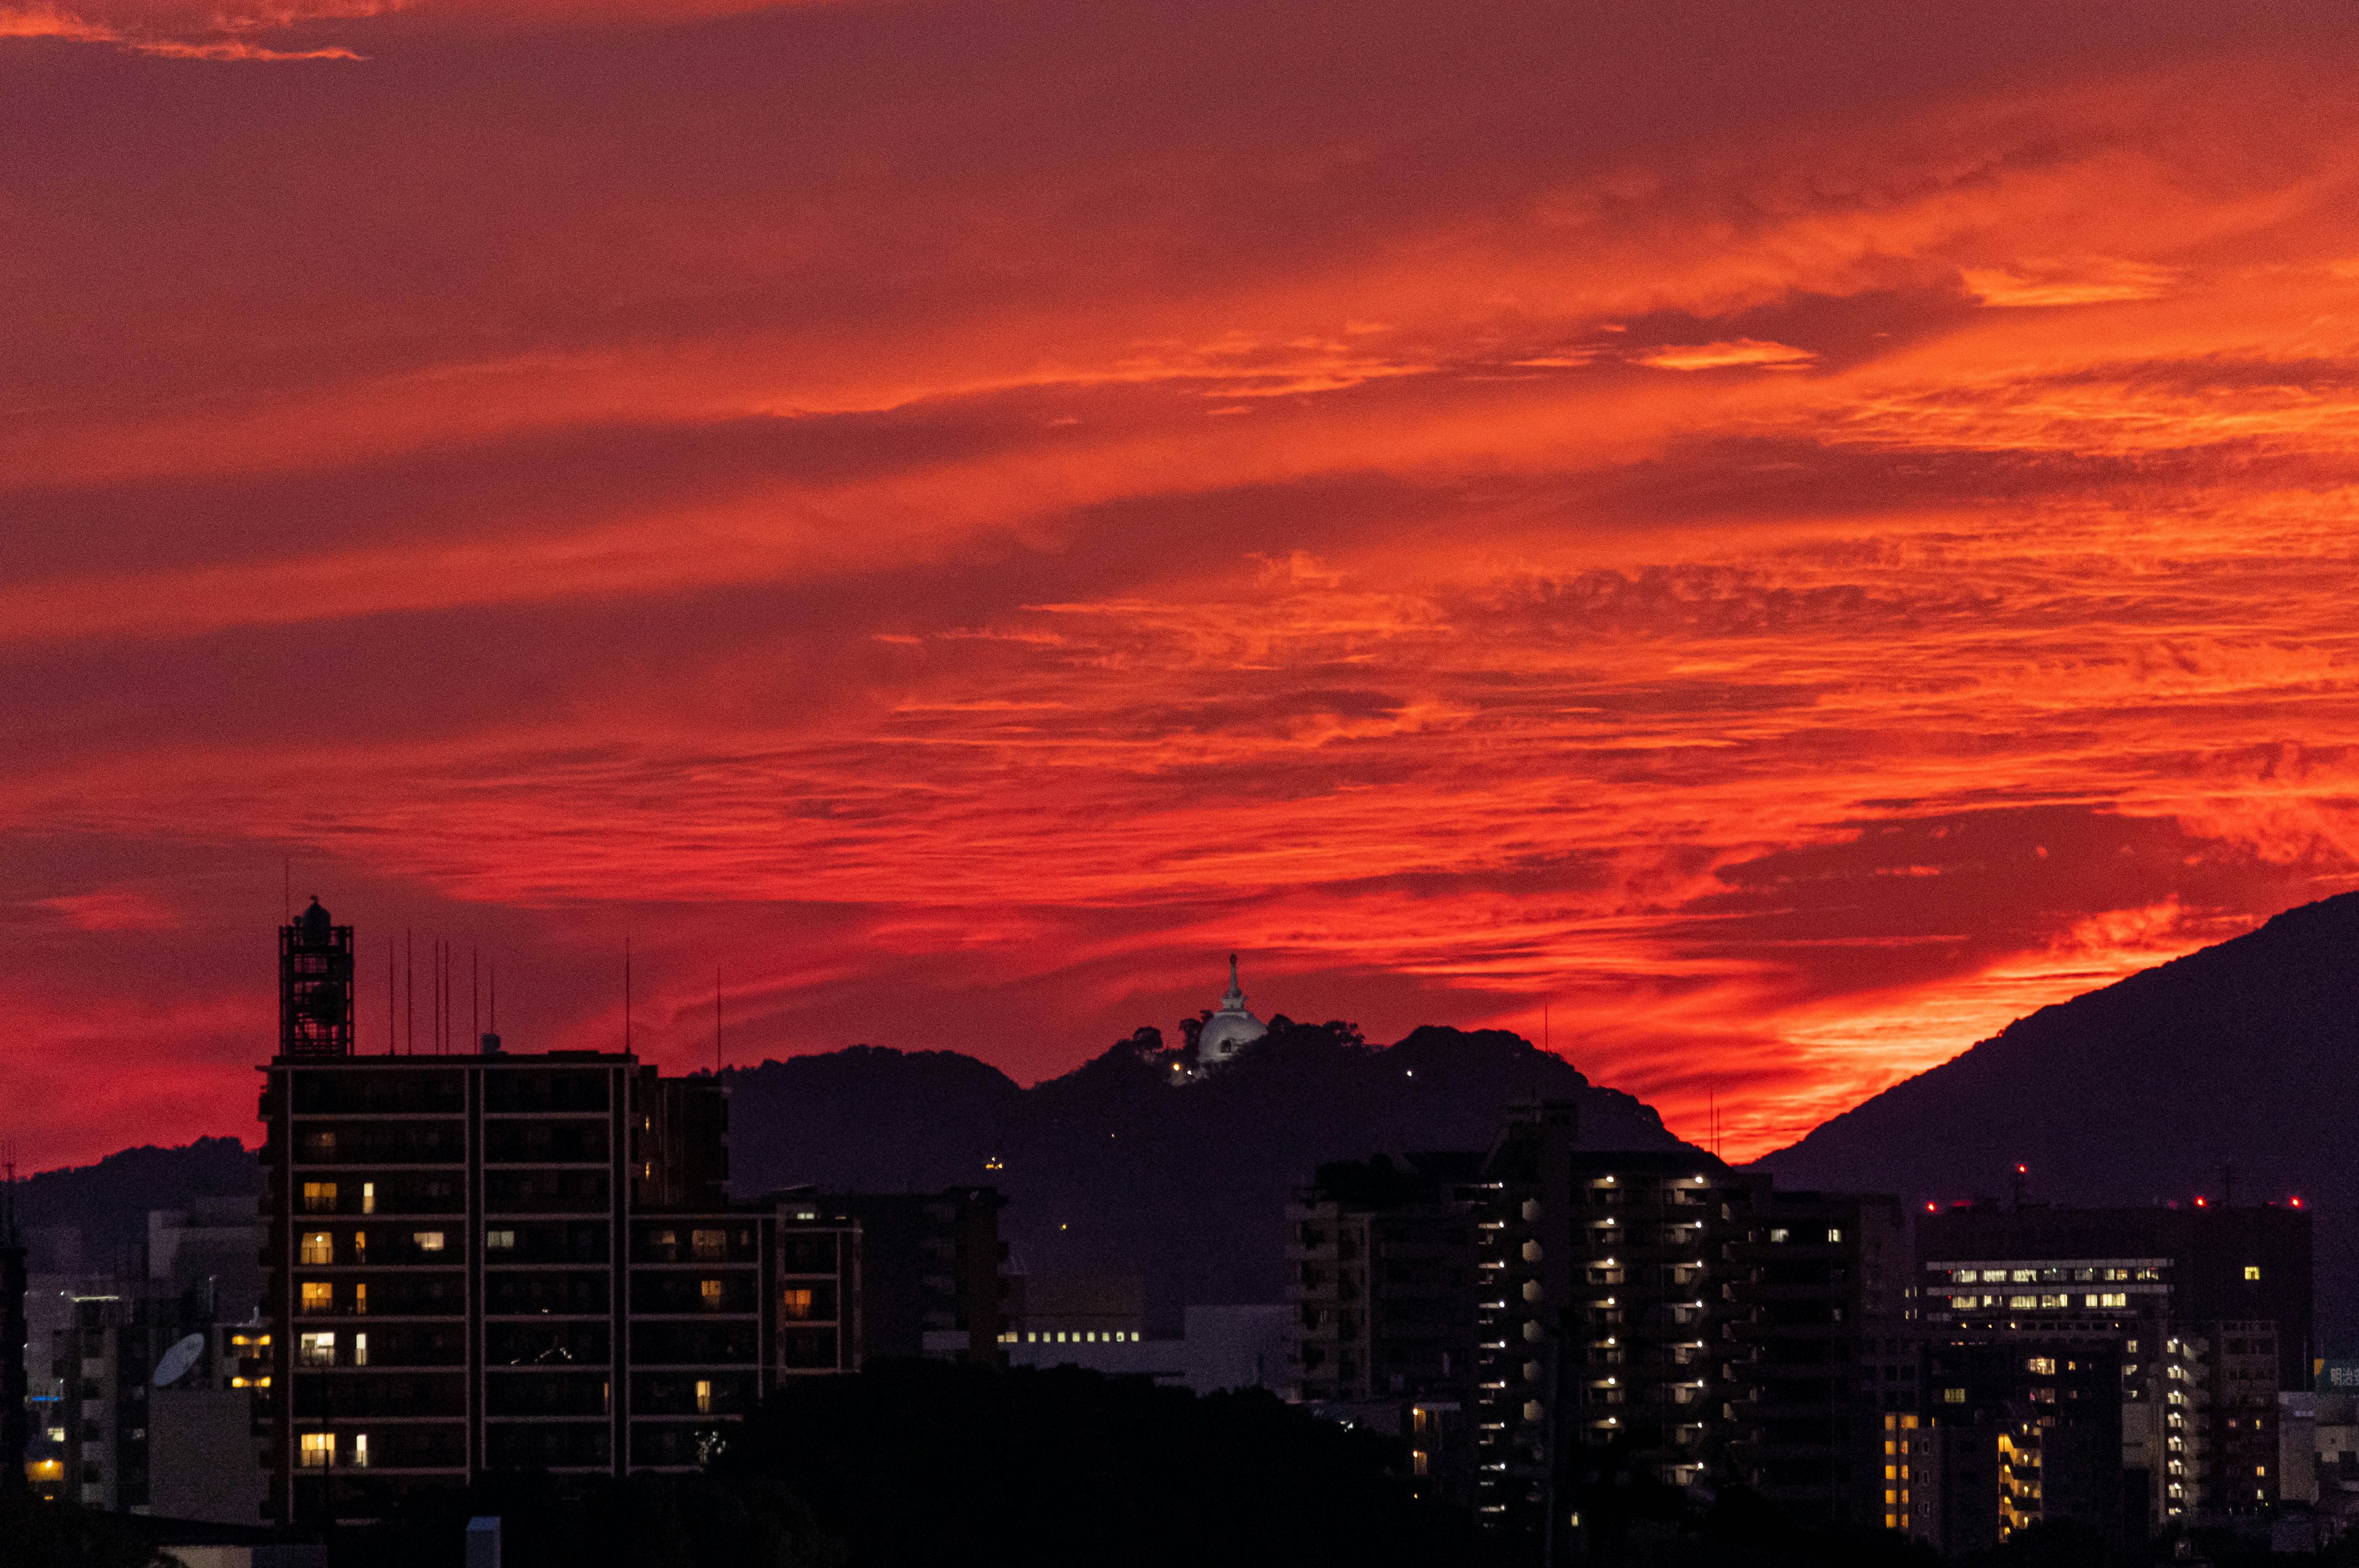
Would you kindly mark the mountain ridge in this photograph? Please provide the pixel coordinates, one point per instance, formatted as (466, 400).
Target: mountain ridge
(2231, 1072)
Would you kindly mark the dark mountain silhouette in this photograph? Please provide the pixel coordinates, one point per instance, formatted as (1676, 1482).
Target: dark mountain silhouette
(2238, 1064)
(108, 1202)
(1108, 1167)
(1113, 1167)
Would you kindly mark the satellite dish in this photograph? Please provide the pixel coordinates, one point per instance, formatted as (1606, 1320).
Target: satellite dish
(178, 1359)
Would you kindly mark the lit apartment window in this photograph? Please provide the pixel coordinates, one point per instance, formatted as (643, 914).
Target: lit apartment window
(709, 1292)
(1953, 1395)
(427, 1241)
(318, 1197)
(319, 1147)
(318, 1297)
(1416, 1462)
(359, 1246)
(709, 1246)
(368, 1197)
(318, 1450)
(795, 1305)
(499, 1241)
(2252, 1270)
(1834, 1238)
(1778, 1233)
(360, 1451)
(704, 1396)
(318, 1247)
(317, 1349)
(360, 1349)
(360, 1300)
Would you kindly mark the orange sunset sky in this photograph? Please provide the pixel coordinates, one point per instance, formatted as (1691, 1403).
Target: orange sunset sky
(1786, 536)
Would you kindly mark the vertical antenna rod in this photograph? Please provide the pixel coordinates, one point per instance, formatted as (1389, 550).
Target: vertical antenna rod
(716, 1020)
(626, 994)
(409, 992)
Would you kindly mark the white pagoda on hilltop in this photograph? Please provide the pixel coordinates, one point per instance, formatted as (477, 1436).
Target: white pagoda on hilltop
(1230, 1030)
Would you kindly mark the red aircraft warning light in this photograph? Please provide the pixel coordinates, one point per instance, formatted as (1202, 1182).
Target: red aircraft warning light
(2198, 1202)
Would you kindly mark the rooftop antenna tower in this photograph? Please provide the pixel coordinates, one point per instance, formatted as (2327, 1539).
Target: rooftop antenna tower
(315, 986)
(626, 996)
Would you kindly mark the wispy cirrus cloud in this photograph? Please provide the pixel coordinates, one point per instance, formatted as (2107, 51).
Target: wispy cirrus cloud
(971, 512)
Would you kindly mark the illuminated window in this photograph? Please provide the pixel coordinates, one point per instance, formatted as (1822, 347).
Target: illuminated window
(318, 1197)
(710, 1292)
(317, 1349)
(318, 1450)
(360, 1450)
(2041, 1366)
(704, 1396)
(1777, 1234)
(319, 1147)
(1834, 1238)
(360, 1300)
(709, 1246)
(2019, 1277)
(368, 1197)
(318, 1297)
(795, 1305)
(427, 1241)
(1966, 1276)
(2252, 1270)
(664, 1244)
(360, 1349)
(318, 1247)
(1416, 1462)
(499, 1241)
(1953, 1395)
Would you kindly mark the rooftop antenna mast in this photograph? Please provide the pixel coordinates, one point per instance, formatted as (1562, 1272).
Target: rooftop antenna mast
(409, 992)
(716, 1020)
(626, 995)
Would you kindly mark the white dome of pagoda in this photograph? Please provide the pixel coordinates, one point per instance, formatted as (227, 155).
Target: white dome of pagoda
(1231, 1029)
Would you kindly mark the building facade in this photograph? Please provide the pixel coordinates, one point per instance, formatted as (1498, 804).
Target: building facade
(2196, 1316)
(504, 1261)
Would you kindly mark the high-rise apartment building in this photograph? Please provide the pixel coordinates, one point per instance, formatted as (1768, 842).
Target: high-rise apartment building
(1380, 1260)
(503, 1260)
(1600, 1323)
(1812, 1283)
(2199, 1315)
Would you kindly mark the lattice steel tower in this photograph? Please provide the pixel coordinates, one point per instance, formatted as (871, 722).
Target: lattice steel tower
(315, 986)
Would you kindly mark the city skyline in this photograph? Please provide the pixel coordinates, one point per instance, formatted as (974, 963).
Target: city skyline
(1784, 542)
